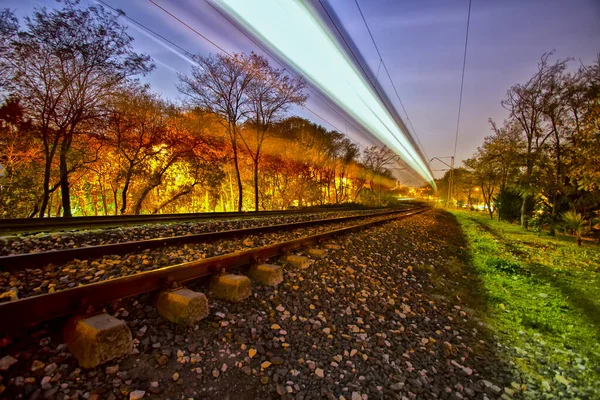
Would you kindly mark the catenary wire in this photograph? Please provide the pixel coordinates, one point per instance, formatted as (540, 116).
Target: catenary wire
(390, 77)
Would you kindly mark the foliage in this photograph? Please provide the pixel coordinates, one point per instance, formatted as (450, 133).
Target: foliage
(64, 67)
(508, 205)
(575, 223)
(547, 149)
(79, 135)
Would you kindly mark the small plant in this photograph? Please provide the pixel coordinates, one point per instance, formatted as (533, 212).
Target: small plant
(575, 223)
(503, 265)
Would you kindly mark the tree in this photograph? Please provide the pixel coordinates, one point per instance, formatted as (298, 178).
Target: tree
(496, 162)
(65, 66)
(136, 129)
(377, 160)
(219, 84)
(271, 93)
(586, 116)
(9, 26)
(19, 157)
(178, 145)
(526, 104)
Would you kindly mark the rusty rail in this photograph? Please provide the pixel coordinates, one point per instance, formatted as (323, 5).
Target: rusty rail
(57, 257)
(29, 311)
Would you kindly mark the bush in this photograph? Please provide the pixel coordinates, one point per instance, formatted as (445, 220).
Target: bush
(574, 223)
(508, 205)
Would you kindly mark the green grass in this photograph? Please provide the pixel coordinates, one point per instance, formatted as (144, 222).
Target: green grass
(543, 301)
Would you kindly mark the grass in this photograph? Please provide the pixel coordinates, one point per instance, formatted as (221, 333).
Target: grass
(543, 302)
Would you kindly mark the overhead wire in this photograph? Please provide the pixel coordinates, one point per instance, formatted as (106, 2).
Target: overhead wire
(462, 82)
(365, 72)
(158, 35)
(390, 77)
(118, 12)
(282, 66)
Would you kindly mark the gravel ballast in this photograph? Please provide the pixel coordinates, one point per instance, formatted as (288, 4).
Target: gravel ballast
(32, 243)
(388, 315)
(52, 278)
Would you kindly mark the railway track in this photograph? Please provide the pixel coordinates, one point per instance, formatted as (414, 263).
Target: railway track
(34, 225)
(26, 312)
(56, 257)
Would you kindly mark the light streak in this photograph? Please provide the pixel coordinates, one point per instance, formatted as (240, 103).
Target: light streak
(297, 35)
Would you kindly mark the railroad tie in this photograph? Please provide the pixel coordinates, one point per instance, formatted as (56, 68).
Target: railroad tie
(317, 253)
(231, 287)
(267, 274)
(97, 339)
(297, 261)
(182, 306)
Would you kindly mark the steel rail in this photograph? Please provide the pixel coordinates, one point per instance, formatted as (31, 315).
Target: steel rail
(39, 259)
(21, 314)
(30, 225)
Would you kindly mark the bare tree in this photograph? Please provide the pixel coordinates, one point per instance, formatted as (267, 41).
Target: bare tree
(377, 160)
(271, 94)
(9, 26)
(219, 84)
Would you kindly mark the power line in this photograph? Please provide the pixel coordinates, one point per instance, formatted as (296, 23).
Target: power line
(189, 27)
(390, 77)
(462, 82)
(285, 69)
(122, 14)
(220, 48)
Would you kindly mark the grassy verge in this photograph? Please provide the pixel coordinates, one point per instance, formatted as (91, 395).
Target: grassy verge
(543, 301)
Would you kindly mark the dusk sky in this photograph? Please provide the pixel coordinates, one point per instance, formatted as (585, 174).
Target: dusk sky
(422, 44)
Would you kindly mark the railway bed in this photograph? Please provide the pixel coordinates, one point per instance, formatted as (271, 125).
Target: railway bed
(51, 224)
(360, 322)
(148, 272)
(31, 243)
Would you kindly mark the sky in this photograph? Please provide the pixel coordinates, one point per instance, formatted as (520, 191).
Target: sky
(422, 44)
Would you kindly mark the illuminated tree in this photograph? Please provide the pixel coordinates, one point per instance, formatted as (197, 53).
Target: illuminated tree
(136, 128)
(192, 150)
(19, 157)
(64, 67)
(377, 161)
(496, 162)
(270, 95)
(219, 84)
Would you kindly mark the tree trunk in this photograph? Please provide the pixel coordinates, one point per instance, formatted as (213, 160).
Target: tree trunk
(524, 221)
(238, 178)
(165, 203)
(46, 186)
(64, 182)
(124, 193)
(256, 184)
(554, 218)
(525, 203)
(103, 197)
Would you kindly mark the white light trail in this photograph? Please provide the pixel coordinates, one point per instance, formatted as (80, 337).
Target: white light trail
(299, 37)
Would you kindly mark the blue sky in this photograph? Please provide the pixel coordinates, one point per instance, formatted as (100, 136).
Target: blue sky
(421, 42)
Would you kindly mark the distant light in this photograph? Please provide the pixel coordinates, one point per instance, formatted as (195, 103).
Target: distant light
(298, 36)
